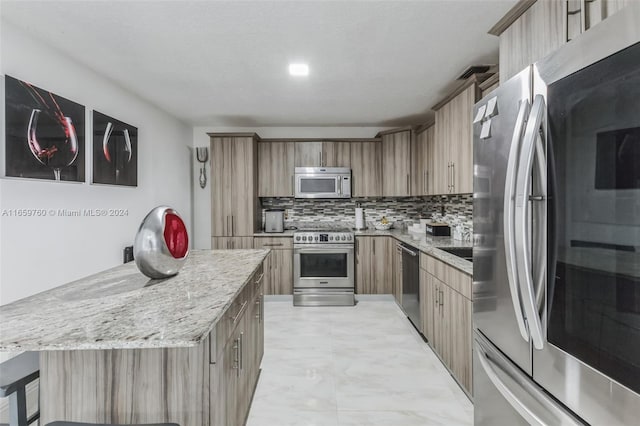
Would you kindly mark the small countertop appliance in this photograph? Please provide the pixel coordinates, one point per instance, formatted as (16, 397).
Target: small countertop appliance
(274, 220)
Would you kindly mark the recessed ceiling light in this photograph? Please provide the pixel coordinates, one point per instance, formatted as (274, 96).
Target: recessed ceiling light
(299, 70)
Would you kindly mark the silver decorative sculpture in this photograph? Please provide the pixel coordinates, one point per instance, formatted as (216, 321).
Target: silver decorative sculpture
(202, 154)
(161, 245)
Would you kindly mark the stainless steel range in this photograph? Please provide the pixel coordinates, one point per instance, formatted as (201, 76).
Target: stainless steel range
(323, 268)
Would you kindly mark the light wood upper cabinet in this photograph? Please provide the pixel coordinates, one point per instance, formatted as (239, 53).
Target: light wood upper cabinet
(366, 169)
(373, 260)
(396, 163)
(453, 150)
(322, 154)
(308, 154)
(275, 169)
(234, 184)
(422, 161)
(536, 33)
(336, 154)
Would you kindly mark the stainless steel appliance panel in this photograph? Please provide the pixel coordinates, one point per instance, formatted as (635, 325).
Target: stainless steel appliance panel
(411, 284)
(322, 182)
(504, 395)
(496, 299)
(323, 266)
(323, 297)
(590, 359)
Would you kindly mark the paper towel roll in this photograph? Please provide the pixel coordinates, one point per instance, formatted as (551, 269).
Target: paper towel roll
(360, 218)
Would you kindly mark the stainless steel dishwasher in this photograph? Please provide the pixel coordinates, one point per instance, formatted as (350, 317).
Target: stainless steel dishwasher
(411, 283)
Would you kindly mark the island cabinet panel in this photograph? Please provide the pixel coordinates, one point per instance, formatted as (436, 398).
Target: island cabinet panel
(275, 169)
(366, 169)
(126, 386)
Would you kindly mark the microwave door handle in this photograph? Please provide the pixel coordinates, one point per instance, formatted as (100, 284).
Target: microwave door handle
(522, 226)
(339, 185)
(509, 217)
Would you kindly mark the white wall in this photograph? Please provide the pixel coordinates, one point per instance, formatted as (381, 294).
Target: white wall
(202, 197)
(40, 253)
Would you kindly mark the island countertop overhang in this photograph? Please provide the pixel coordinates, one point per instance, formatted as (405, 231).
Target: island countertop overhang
(120, 308)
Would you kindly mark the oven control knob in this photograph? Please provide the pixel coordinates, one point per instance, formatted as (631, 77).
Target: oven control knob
(348, 237)
(298, 238)
(331, 238)
(304, 238)
(343, 238)
(315, 238)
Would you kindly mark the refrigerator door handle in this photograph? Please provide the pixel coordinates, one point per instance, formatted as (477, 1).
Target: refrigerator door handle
(531, 146)
(509, 217)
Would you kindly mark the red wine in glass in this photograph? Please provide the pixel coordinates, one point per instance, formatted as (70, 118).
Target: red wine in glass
(52, 140)
(116, 147)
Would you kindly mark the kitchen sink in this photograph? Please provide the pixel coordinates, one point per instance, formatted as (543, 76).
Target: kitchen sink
(465, 253)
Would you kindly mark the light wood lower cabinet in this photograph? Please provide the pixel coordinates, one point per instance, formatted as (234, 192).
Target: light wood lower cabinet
(397, 271)
(373, 255)
(279, 264)
(447, 316)
(222, 243)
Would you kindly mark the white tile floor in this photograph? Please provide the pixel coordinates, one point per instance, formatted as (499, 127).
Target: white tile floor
(362, 365)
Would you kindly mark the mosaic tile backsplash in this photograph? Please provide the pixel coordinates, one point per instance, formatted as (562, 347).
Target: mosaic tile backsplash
(451, 209)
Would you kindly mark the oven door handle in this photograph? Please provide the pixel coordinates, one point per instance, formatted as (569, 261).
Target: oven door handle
(324, 249)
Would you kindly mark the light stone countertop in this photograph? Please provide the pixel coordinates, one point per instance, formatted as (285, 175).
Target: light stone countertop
(120, 308)
(424, 243)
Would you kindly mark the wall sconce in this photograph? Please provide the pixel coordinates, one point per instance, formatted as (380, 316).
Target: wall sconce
(202, 154)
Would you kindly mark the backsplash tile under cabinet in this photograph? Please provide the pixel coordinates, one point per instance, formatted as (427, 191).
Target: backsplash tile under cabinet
(457, 209)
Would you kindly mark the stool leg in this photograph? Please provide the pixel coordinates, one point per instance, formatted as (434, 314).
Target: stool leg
(18, 407)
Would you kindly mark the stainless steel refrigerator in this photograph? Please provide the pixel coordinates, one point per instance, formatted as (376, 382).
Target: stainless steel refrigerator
(556, 282)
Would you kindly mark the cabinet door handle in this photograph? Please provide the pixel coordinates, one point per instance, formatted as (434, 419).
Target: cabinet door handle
(374, 247)
(272, 245)
(435, 295)
(258, 314)
(426, 182)
(241, 349)
(441, 298)
(233, 227)
(408, 185)
(320, 158)
(453, 177)
(236, 356)
(449, 176)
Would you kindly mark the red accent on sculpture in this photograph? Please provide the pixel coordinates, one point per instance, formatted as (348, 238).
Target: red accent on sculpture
(175, 235)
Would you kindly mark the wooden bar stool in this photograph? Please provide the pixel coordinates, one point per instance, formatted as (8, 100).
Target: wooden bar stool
(15, 374)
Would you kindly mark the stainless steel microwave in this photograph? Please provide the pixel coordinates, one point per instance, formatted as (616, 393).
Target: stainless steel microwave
(323, 182)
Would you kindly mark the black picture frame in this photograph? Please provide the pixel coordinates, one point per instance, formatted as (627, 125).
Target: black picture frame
(115, 151)
(45, 134)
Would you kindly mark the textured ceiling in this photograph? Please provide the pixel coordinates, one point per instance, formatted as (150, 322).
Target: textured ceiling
(221, 63)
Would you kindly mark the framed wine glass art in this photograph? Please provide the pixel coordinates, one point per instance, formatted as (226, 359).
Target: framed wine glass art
(44, 134)
(115, 151)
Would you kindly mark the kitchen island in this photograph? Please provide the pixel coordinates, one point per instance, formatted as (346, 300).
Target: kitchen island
(117, 347)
